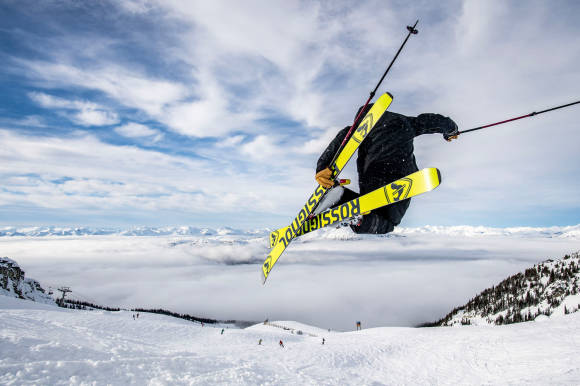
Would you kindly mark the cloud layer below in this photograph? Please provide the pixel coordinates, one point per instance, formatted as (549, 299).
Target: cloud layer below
(330, 280)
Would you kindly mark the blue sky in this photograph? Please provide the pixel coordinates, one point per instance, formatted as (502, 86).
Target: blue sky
(127, 113)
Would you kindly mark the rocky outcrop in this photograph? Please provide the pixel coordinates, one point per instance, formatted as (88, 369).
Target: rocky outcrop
(14, 284)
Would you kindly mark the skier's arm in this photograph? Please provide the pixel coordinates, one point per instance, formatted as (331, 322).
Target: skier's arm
(326, 156)
(435, 123)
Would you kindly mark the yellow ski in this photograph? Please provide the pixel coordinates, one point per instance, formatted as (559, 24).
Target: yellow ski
(413, 185)
(280, 241)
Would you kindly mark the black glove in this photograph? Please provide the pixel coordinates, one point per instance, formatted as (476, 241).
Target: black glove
(452, 133)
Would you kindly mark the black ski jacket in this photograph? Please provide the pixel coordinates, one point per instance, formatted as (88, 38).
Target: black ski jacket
(387, 153)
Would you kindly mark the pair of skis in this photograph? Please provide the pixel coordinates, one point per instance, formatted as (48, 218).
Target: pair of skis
(412, 185)
(417, 183)
(361, 132)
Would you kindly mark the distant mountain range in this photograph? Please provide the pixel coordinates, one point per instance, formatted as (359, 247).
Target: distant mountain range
(549, 288)
(330, 233)
(139, 231)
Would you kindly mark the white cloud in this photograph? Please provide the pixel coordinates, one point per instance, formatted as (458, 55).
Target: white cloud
(84, 113)
(317, 145)
(127, 86)
(89, 117)
(83, 173)
(137, 130)
(231, 141)
(262, 148)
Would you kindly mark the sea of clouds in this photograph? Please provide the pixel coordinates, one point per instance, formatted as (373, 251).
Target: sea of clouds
(329, 278)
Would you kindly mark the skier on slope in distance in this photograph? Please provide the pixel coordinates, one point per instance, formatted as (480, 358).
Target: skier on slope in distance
(384, 156)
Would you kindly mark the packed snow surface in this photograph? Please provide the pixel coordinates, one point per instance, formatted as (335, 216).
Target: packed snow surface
(41, 344)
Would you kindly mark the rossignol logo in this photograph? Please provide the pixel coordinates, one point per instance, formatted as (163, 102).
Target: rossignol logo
(363, 128)
(293, 230)
(398, 190)
(274, 238)
(266, 266)
(342, 212)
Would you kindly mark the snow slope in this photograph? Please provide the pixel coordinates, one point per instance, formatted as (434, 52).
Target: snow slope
(41, 344)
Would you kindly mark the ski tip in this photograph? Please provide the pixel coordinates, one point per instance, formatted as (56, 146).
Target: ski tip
(439, 175)
(389, 94)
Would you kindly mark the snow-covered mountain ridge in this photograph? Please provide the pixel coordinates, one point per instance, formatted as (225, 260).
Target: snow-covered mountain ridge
(551, 288)
(14, 284)
(138, 231)
(331, 232)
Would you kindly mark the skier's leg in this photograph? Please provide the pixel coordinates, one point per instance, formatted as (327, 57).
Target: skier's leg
(347, 196)
(382, 220)
(335, 197)
(374, 224)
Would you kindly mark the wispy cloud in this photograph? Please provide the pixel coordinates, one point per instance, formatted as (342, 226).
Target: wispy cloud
(83, 113)
(83, 173)
(137, 130)
(128, 87)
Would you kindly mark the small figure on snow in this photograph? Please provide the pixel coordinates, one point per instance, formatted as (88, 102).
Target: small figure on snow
(323, 340)
(260, 342)
(384, 156)
(281, 344)
(358, 326)
(222, 331)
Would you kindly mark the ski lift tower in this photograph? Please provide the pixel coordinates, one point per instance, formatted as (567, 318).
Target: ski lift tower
(64, 291)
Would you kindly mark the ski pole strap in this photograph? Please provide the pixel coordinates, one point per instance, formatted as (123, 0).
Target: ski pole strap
(516, 118)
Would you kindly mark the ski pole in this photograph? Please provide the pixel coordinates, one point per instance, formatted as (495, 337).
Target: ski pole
(516, 118)
(412, 31)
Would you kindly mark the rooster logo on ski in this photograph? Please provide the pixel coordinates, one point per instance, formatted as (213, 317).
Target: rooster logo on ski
(398, 190)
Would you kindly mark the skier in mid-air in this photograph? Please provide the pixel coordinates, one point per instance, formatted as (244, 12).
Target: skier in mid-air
(384, 156)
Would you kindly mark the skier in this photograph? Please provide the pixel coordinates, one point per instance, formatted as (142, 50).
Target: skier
(281, 344)
(384, 156)
(222, 331)
(260, 342)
